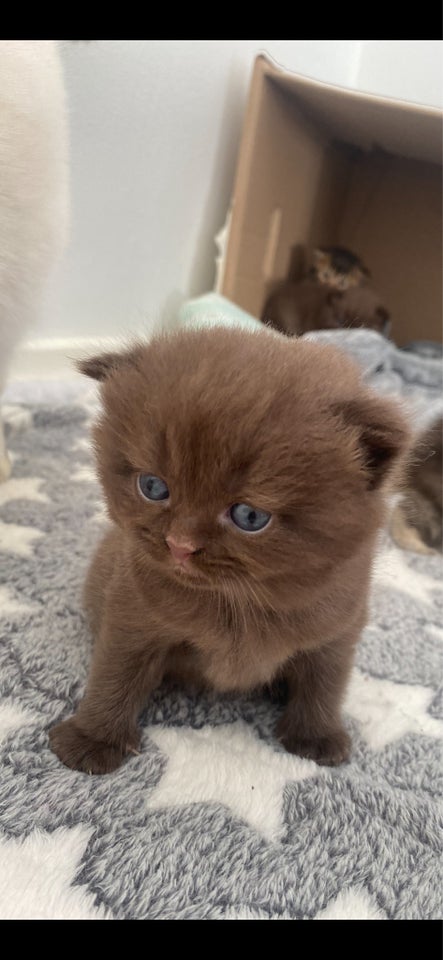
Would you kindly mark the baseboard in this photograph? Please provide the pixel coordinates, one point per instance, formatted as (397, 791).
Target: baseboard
(53, 358)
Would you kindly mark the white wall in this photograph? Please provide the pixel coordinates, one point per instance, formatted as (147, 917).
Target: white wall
(155, 128)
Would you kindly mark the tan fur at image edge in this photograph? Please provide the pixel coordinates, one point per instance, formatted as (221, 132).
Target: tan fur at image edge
(226, 417)
(416, 522)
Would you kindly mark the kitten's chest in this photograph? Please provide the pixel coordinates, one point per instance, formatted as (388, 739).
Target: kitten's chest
(233, 657)
(226, 648)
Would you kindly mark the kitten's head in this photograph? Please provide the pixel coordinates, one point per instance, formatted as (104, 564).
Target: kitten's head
(339, 268)
(242, 458)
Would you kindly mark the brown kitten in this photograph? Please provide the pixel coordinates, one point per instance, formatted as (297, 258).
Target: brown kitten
(297, 308)
(244, 477)
(417, 521)
(362, 307)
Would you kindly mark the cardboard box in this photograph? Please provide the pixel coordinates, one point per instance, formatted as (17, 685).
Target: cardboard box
(323, 165)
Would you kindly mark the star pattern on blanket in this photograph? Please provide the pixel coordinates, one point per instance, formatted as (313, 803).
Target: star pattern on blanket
(352, 904)
(22, 488)
(13, 717)
(87, 474)
(17, 418)
(18, 539)
(227, 764)
(386, 711)
(84, 474)
(252, 913)
(45, 865)
(435, 631)
(391, 569)
(101, 513)
(83, 444)
(11, 605)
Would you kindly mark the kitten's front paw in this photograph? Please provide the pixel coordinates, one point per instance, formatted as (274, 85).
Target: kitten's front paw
(330, 750)
(80, 752)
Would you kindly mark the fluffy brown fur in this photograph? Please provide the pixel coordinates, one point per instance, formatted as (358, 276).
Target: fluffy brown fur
(417, 522)
(227, 417)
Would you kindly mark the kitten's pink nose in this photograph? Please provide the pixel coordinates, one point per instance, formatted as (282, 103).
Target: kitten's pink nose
(181, 549)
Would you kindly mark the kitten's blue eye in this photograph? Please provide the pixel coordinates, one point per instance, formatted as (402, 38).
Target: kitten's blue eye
(249, 519)
(152, 488)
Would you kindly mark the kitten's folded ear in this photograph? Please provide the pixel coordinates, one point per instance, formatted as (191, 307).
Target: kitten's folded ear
(101, 367)
(383, 434)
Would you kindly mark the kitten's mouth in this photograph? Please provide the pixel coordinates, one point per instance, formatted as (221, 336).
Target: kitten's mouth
(186, 571)
(185, 568)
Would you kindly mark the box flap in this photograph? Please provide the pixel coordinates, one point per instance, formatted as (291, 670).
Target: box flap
(362, 119)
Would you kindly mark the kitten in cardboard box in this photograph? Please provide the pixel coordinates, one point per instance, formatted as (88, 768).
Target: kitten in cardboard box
(333, 292)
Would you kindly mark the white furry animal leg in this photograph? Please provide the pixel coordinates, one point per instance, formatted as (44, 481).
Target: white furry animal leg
(5, 463)
(34, 197)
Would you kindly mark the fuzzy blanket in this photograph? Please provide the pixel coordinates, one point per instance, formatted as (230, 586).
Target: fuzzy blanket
(213, 820)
